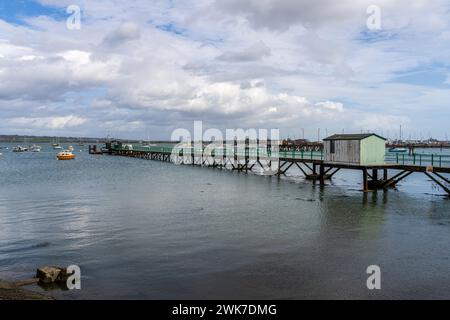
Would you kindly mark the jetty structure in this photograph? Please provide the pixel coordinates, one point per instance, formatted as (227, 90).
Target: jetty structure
(410, 145)
(362, 152)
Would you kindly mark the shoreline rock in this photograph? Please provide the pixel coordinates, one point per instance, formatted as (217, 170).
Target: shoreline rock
(52, 274)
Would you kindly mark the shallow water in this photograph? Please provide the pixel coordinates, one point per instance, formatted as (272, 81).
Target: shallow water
(151, 230)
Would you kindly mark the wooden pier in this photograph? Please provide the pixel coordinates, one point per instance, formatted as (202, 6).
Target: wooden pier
(311, 164)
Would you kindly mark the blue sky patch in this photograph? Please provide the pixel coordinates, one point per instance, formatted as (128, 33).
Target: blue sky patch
(14, 11)
(430, 76)
(372, 36)
(171, 27)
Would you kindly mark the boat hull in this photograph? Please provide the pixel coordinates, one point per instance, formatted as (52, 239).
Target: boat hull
(67, 157)
(397, 150)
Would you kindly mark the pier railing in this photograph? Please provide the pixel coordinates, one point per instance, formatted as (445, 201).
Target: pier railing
(238, 151)
(419, 159)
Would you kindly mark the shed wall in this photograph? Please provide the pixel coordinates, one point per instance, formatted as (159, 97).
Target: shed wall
(373, 150)
(345, 151)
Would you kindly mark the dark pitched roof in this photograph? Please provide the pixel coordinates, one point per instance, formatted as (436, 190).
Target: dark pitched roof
(353, 136)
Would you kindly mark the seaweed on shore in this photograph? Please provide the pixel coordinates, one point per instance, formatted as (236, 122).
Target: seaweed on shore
(14, 291)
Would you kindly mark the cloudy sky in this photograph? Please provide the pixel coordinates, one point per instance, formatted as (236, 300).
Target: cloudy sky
(141, 68)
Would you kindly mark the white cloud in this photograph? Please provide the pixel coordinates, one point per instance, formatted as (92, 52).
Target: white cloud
(330, 105)
(282, 14)
(284, 63)
(255, 52)
(49, 122)
(127, 31)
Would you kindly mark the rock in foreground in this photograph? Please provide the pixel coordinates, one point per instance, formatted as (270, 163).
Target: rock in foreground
(51, 274)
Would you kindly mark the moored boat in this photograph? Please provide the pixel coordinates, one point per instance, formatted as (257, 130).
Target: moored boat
(20, 149)
(65, 155)
(148, 145)
(35, 148)
(394, 149)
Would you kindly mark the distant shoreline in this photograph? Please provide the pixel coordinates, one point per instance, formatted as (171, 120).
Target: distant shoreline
(47, 139)
(29, 139)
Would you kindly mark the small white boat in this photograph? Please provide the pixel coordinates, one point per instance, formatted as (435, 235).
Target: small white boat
(397, 149)
(70, 148)
(20, 149)
(35, 148)
(56, 146)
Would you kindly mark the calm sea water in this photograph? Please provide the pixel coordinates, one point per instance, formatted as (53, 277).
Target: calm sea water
(151, 230)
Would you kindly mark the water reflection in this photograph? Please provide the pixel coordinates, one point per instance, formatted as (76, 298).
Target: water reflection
(145, 229)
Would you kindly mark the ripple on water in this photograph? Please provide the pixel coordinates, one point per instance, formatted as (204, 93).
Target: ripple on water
(147, 229)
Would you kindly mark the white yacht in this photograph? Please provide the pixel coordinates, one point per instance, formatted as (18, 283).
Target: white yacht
(20, 149)
(35, 148)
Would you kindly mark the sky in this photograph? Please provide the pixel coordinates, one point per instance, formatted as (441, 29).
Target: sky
(141, 69)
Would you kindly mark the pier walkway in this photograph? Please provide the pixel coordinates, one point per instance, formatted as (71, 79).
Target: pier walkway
(311, 164)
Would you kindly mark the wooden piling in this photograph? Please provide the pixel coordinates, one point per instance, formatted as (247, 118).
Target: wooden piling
(375, 175)
(192, 153)
(365, 180)
(322, 175)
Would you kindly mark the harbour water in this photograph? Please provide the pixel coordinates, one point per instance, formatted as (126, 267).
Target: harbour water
(152, 230)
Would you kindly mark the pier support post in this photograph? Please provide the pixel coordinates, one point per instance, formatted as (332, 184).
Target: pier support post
(375, 175)
(365, 180)
(257, 151)
(236, 163)
(192, 153)
(322, 175)
(203, 159)
(246, 153)
(224, 154)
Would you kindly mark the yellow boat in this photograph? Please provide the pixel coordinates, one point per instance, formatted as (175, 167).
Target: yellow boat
(65, 155)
